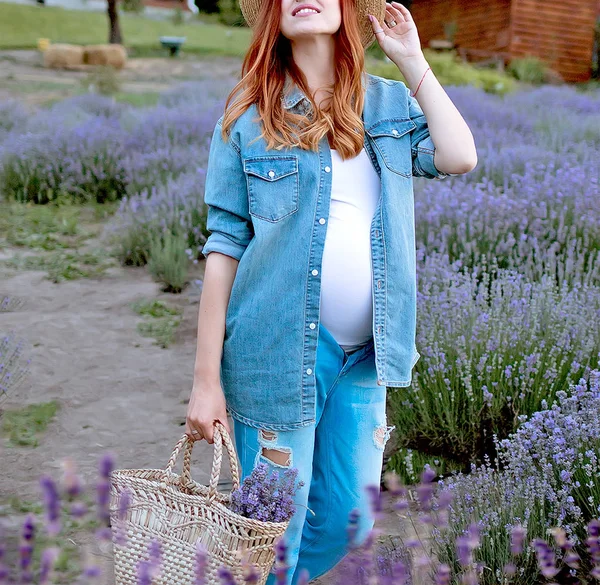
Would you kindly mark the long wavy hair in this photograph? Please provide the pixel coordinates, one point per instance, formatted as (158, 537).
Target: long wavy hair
(266, 65)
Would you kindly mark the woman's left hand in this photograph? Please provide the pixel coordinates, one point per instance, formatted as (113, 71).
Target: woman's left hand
(400, 40)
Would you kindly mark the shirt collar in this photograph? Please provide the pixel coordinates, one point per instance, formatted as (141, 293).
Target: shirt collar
(292, 94)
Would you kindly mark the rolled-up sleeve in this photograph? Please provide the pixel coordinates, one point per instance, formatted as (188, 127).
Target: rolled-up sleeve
(225, 195)
(422, 145)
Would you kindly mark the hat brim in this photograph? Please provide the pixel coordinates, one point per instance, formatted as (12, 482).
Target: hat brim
(251, 9)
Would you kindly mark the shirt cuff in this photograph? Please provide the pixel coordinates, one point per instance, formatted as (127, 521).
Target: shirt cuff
(217, 242)
(425, 152)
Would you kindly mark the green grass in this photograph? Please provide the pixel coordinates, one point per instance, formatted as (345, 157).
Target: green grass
(160, 320)
(64, 265)
(155, 308)
(23, 426)
(21, 26)
(47, 227)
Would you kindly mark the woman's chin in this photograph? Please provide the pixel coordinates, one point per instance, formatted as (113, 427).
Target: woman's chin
(306, 32)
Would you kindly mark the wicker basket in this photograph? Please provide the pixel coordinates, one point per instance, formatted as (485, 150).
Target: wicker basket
(179, 512)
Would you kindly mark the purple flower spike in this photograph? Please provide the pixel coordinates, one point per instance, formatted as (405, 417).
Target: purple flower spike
(517, 539)
(425, 489)
(400, 573)
(509, 569)
(106, 465)
(393, 484)
(102, 502)
(226, 576)
(47, 561)
(428, 475)
(251, 575)
(375, 498)
(352, 527)
(92, 572)
(443, 575)
(201, 564)
(571, 559)
(71, 482)
(463, 551)
(78, 509)
(303, 577)
(51, 504)
(26, 548)
(545, 557)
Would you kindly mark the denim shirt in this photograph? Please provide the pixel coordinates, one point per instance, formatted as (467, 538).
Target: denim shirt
(269, 209)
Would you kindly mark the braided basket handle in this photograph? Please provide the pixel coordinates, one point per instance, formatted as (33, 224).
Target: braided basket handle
(221, 436)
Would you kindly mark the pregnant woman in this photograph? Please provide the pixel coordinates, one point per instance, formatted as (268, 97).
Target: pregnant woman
(308, 311)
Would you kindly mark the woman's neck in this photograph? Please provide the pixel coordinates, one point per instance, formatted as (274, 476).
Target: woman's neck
(315, 58)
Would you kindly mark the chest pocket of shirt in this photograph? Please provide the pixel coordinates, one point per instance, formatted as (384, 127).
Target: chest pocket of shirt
(392, 139)
(272, 186)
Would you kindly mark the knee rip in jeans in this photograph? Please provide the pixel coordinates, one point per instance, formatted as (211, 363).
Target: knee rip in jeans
(278, 456)
(381, 434)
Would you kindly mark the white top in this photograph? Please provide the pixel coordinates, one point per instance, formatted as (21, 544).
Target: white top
(347, 274)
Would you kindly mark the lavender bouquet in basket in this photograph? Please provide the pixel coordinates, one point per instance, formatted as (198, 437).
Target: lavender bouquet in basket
(266, 497)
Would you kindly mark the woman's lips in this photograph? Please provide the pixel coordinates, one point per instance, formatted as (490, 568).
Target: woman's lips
(305, 10)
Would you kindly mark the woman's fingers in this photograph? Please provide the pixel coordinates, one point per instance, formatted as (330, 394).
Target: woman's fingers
(394, 13)
(405, 11)
(380, 30)
(189, 427)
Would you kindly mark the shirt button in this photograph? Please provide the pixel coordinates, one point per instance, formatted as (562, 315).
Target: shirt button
(271, 174)
(315, 272)
(309, 371)
(395, 132)
(379, 284)
(322, 221)
(327, 169)
(312, 325)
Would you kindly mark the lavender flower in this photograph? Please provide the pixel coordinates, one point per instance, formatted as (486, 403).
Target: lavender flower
(201, 564)
(51, 504)
(518, 534)
(26, 549)
(226, 576)
(105, 468)
(48, 559)
(267, 497)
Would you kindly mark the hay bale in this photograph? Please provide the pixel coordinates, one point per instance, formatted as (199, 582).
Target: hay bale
(63, 56)
(112, 54)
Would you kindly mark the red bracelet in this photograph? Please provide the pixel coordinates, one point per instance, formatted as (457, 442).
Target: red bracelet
(420, 82)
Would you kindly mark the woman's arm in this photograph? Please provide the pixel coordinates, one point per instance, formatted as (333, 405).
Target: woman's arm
(455, 151)
(207, 401)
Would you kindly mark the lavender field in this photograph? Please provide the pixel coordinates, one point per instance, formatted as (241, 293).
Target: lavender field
(505, 393)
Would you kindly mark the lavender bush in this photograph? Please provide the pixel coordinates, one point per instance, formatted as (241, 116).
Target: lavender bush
(494, 346)
(546, 476)
(91, 148)
(176, 206)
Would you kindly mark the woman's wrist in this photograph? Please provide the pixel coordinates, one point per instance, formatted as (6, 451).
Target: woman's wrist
(412, 69)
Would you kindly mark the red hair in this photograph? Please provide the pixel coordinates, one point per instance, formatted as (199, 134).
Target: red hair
(269, 59)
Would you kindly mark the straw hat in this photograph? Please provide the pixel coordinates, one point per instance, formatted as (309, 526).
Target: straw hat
(251, 9)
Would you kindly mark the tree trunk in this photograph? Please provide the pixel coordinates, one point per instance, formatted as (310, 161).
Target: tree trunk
(114, 32)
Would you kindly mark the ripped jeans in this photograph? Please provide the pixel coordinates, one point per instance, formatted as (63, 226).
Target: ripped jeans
(336, 458)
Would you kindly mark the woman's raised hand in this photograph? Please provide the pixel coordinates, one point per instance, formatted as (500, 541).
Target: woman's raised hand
(397, 36)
